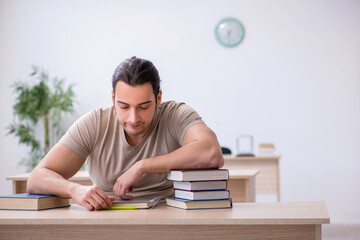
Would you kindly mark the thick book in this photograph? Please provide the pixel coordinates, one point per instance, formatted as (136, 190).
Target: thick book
(200, 185)
(198, 204)
(28, 201)
(202, 195)
(141, 203)
(198, 175)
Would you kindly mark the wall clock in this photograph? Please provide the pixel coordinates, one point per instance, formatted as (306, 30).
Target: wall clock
(229, 32)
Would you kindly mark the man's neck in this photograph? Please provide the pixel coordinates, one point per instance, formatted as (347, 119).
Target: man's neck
(133, 140)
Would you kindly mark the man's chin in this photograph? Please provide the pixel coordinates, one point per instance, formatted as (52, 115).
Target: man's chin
(134, 133)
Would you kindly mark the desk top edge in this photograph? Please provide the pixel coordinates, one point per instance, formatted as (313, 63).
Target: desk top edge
(242, 214)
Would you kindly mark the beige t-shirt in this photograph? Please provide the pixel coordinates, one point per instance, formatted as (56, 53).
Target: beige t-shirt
(99, 137)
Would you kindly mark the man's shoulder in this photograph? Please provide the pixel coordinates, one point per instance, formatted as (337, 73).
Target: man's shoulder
(96, 114)
(171, 105)
(101, 111)
(175, 109)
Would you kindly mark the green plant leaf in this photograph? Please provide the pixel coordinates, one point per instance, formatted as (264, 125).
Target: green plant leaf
(40, 104)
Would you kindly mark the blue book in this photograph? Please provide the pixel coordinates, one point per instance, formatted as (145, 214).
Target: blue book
(199, 204)
(28, 201)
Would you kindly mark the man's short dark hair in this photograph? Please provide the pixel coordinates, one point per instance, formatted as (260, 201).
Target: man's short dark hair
(137, 71)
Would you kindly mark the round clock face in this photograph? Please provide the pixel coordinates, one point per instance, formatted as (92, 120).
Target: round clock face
(229, 32)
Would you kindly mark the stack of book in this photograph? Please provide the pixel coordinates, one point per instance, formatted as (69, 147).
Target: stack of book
(200, 189)
(266, 149)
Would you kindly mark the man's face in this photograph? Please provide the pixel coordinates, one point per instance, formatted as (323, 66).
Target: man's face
(135, 107)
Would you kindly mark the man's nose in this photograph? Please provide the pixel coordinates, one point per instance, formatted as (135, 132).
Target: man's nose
(134, 116)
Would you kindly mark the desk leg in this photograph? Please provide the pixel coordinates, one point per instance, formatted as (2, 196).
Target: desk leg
(19, 186)
(252, 190)
(242, 190)
(318, 232)
(278, 181)
(237, 188)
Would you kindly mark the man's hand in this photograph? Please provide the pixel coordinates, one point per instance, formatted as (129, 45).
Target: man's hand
(91, 197)
(125, 183)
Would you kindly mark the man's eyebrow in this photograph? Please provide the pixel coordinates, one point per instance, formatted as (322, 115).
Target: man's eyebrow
(122, 102)
(146, 102)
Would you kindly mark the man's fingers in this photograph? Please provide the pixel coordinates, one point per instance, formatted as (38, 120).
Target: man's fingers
(123, 194)
(93, 203)
(106, 202)
(97, 198)
(88, 206)
(125, 183)
(100, 201)
(116, 189)
(120, 190)
(92, 197)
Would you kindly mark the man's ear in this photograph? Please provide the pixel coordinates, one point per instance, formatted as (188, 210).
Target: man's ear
(159, 98)
(113, 97)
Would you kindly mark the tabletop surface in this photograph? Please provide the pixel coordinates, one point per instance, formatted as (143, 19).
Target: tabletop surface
(241, 213)
(251, 158)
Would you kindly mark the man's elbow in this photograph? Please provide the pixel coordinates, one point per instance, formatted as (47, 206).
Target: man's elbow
(215, 158)
(33, 184)
(30, 185)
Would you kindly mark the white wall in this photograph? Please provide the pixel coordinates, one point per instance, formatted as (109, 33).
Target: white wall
(293, 81)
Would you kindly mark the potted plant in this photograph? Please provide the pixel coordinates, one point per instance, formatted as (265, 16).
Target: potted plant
(38, 110)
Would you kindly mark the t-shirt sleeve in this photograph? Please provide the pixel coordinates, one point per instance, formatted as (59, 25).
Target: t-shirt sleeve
(81, 136)
(181, 118)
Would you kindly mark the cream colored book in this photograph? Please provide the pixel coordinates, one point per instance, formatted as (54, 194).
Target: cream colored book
(198, 174)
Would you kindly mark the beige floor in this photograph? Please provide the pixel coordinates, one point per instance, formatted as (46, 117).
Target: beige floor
(340, 232)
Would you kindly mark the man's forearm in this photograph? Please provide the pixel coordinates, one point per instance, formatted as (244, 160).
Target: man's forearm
(194, 155)
(190, 156)
(46, 181)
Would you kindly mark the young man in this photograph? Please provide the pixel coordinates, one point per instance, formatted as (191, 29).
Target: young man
(130, 146)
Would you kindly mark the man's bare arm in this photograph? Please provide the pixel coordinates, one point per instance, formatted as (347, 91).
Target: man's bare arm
(200, 149)
(50, 177)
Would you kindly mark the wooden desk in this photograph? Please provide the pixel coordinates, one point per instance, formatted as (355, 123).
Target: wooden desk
(276, 220)
(241, 183)
(267, 181)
